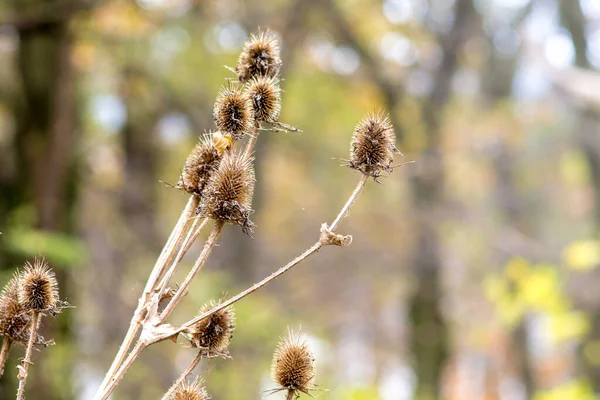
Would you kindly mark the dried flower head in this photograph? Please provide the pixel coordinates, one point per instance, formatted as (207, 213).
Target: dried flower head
(260, 56)
(233, 112)
(265, 96)
(373, 145)
(293, 367)
(200, 164)
(13, 320)
(38, 289)
(213, 334)
(190, 391)
(228, 194)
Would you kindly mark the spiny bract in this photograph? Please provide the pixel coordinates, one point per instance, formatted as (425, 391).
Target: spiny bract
(200, 164)
(38, 289)
(233, 112)
(265, 96)
(259, 57)
(228, 195)
(293, 367)
(373, 145)
(212, 334)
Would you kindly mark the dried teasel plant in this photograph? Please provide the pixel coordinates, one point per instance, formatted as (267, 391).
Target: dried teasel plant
(293, 366)
(190, 391)
(259, 57)
(226, 198)
(200, 164)
(213, 334)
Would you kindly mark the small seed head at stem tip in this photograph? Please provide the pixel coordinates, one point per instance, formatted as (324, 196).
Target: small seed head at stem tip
(233, 112)
(201, 163)
(190, 391)
(265, 95)
(260, 56)
(38, 289)
(228, 195)
(14, 322)
(213, 334)
(373, 146)
(293, 366)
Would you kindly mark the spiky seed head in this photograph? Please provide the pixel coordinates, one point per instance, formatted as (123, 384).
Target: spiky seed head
(38, 289)
(228, 194)
(214, 333)
(265, 96)
(13, 320)
(260, 56)
(373, 145)
(190, 391)
(293, 366)
(199, 165)
(233, 112)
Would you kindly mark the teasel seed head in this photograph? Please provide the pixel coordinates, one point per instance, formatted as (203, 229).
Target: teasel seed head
(190, 391)
(13, 320)
(260, 56)
(228, 194)
(38, 289)
(213, 334)
(233, 112)
(265, 96)
(293, 367)
(373, 145)
(200, 164)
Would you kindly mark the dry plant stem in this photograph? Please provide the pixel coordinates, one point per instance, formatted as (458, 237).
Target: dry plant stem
(6, 343)
(290, 395)
(351, 200)
(252, 140)
(182, 291)
(23, 369)
(183, 376)
(157, 271)
(313, 249)
(114, 381)
(191, 237)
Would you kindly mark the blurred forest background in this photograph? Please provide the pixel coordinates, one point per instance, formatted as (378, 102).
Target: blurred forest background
(473, 273)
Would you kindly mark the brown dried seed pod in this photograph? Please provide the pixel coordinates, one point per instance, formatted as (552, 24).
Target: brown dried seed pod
(293, 367)
(228, 194)
(13, 320)
(214, 333)
(38, 289)
(202, 161)
(260, 56)
(265, 96)
(373, 145)
(190, 391)
(233, 112)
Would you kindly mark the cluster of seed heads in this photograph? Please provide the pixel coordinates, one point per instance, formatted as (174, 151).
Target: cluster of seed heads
(293, 366)
(202, 161)
(259, 57)
(233, 112)
(190, 391)
(14, 320)
(213, 334)
(373, 146)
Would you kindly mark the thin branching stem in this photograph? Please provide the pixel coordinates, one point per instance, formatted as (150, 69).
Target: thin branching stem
(313, 249)
(158, 270)
(252, 140)
(6, 343)
(351, 200)
(182, 291)
(114, 381)
(183, 376)
(24, 368)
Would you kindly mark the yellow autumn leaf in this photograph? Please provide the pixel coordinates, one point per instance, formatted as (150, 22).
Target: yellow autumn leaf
(582, 255)
(568, 326)
(577, 389)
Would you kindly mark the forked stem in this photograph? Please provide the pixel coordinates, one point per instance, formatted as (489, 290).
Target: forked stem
(182, 291)
(183, 376)
(6, 343)
(24, 368)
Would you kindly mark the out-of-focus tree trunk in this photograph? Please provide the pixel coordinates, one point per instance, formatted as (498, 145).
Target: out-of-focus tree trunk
(430, 347)
(45, 125)
(586, 132)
